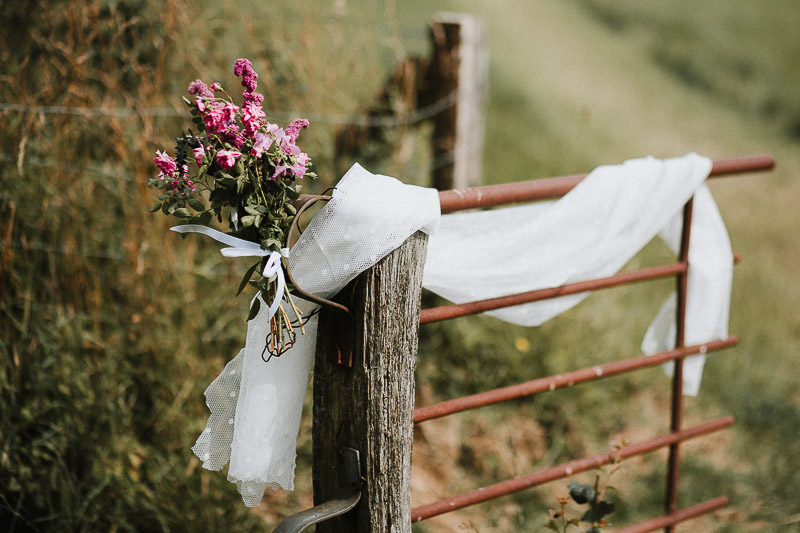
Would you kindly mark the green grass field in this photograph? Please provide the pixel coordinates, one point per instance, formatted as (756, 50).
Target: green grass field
(110, 328)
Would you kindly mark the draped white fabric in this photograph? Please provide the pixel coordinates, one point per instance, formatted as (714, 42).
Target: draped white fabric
(256, 406)
(591, 232)
(709, 289)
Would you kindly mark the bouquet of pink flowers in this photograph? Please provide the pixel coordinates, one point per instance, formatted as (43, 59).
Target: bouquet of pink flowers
(244, 170)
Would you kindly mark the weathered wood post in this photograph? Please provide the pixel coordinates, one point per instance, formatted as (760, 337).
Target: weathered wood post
(449, 88)
(369, 405)
(459, 70)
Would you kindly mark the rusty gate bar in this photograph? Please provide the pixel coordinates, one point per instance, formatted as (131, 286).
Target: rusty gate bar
(561, 471)
(445, 312)
(678, 516)
(537, 386)
(527, 191)
(676, 411)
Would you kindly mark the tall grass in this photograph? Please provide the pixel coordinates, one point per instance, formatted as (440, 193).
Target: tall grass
(110, 328)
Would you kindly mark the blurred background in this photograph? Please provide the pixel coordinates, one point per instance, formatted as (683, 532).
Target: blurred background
(111, 327)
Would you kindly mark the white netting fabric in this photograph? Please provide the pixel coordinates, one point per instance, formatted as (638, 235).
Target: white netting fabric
(368, 217)
(591, 232)
(256, 406)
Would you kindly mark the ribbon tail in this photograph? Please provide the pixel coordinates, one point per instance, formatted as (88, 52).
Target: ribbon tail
(274, 266)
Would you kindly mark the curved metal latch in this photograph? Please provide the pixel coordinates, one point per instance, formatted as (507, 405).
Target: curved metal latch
(351, 487)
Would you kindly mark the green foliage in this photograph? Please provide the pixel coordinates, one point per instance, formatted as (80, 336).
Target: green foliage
(110, 327)
(584, 494)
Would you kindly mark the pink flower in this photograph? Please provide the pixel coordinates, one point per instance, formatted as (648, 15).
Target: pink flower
(229, 111)
(201, 106)
(299, 168)
(280, 171)
(251, 117)
(262, 142)
(218, 115)
(227, 158)
(244, 68)
(215, 87)
(178, 184)
(199, 153)
(164, 162)
(240, 65)
(293, 129)
(200, 89)
(215, 120)
(253, 97)
(289, 148)
(231, 135)
(276, 131)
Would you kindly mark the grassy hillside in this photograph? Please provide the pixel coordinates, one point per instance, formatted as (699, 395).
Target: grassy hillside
(576, 84)
(111, 328)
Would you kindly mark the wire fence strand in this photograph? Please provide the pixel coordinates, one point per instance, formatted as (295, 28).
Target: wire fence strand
(390, 120)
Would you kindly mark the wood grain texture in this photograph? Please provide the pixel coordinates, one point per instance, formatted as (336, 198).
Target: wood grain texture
(370, 406)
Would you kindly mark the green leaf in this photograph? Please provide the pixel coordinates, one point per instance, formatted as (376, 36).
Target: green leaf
(182, 213)
(580, 492)
(272, 244)
(248, 220)
(188, 102)
(196, 204)
(205, 218)
(156, 207)
(238, 167)
(246, 278)
(254, 309)
(601, 510)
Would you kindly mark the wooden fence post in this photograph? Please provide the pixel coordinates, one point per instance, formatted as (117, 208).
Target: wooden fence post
(459, 70)
(449, 88)
(369, 405)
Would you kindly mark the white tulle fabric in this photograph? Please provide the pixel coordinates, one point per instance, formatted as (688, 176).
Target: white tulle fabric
(591, 232)
(256, 406)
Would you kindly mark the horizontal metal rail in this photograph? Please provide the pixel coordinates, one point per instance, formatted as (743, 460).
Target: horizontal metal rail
(678, 516)
(537, 386)
(562, 471)
(528, 191)
(446, 312)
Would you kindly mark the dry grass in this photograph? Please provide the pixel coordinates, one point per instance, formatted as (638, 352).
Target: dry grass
(111, 328)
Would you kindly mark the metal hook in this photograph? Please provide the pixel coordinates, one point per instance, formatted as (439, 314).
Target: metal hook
(345, 340)
(350, 496)
(305, 202)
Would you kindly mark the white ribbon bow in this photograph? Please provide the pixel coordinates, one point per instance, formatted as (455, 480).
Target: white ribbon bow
(242, 248)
